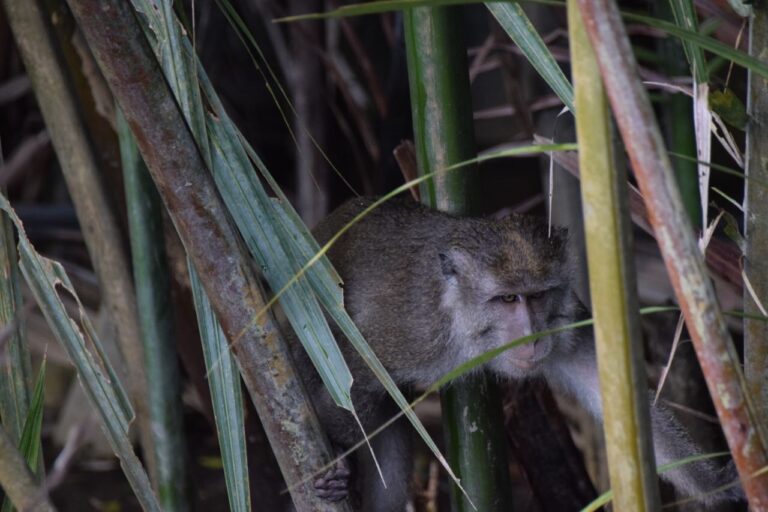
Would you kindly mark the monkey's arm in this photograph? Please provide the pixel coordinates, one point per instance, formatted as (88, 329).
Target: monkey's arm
(576, 374)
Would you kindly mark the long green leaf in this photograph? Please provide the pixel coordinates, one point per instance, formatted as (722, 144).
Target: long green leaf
(376, 7)
(30, 437)
(254, 214)
(706, 43)
(513, 20)
(226, 397)
(685, 17)
(79, 338)
(153, 297)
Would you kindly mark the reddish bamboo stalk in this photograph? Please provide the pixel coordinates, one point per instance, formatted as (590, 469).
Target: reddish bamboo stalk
(211, 242)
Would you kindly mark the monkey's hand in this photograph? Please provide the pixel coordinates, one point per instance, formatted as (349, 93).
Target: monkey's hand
(334, 484)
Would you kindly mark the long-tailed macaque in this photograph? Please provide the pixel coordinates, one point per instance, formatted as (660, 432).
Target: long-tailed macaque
(430, 291)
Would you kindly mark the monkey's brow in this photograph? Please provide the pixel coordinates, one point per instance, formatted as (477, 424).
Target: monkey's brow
(510, 290)
(528, 288)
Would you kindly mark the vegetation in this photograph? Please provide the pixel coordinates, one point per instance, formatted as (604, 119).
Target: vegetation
(152, 155)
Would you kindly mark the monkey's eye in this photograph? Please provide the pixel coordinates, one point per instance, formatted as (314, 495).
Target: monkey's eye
(509, 298)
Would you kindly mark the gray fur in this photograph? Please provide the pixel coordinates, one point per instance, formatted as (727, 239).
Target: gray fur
(424, 288)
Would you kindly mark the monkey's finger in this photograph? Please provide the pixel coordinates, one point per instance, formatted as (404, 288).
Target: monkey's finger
(332, 494)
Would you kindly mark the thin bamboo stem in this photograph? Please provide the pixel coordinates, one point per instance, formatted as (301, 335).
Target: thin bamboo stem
(755, 225)
(444, 134)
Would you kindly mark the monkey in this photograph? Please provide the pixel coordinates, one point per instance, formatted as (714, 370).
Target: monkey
(429, 291)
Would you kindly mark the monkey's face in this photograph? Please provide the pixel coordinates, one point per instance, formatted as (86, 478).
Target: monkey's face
(490, 309)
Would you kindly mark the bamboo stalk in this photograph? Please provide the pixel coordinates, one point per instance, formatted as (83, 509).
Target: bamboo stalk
(211, 241)
(755, 217)
(711, 339)
(78, 164)
(444, 135)
(612, 286)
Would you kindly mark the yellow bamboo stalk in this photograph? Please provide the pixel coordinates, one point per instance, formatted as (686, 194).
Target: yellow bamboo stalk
(612, 286)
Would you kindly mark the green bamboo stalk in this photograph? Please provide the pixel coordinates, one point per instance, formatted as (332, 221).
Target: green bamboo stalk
(755, 225)
(153, 296)
(612, 286)
(444, 135)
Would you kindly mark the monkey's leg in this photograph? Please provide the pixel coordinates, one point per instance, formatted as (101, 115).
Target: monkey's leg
(393, 451)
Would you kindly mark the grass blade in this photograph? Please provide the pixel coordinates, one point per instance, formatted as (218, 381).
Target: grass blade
(685, 17)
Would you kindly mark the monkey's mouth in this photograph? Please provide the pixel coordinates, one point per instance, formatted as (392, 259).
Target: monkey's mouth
(532, 359)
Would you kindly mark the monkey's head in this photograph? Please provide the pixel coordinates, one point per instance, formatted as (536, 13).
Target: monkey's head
(504, 280)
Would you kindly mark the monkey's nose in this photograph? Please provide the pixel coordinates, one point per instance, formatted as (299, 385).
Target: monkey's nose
(524, 364)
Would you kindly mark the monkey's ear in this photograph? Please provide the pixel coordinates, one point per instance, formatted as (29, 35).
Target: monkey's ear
(447, 265)
(454, 261)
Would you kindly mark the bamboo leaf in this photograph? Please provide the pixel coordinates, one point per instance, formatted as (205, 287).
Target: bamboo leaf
(79, 338)
(257, 220)
(227, 399)
(513, 20)
(376, 7)
(240, 186)
(702, 120)
(685, 17)
(153, 298)
(33, 425)
(704, 42)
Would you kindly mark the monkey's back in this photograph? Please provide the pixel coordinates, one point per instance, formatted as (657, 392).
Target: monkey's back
(388, 262)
